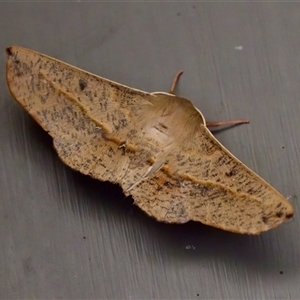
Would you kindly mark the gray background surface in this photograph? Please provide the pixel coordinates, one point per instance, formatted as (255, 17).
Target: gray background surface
(65, 235)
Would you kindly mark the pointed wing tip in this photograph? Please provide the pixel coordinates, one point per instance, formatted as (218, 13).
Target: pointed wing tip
(9, 50)
(290, 214)
(13, 49)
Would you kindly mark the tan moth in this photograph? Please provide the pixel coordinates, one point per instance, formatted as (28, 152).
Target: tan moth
(156, 146)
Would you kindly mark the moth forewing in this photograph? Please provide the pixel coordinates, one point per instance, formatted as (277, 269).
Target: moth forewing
(258, 201)
(154, 145)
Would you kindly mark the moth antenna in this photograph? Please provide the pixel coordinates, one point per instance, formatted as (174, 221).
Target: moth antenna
(225, 123)
(175, 81)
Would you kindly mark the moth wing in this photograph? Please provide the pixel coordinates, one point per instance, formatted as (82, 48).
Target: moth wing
(30, 76)
(88, 116)
(84, 113)
(204, 182)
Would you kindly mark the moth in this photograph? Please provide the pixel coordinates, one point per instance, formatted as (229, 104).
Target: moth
(156, 146)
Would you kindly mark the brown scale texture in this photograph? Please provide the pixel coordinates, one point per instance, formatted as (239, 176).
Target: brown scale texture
(155, 146)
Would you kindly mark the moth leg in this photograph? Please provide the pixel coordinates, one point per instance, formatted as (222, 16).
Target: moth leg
(225, 123)
(144, 177)
(175, 81)
(151, 170)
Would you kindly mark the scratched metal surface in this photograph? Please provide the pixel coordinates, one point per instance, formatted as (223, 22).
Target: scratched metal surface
(66, 236)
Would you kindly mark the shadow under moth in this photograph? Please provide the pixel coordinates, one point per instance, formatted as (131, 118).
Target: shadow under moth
(156, 146)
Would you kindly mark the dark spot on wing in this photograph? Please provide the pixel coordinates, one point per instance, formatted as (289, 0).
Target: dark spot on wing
(232, 172)
(265, 219)
(82, 84)
(9, 51)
